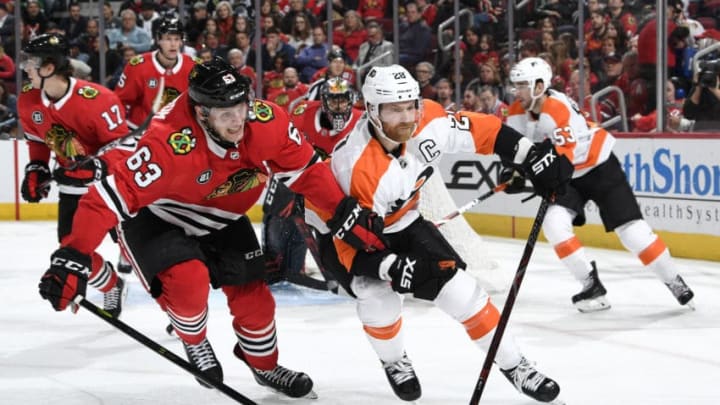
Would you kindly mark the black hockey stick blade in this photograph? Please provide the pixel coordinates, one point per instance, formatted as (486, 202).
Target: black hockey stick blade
(164, 352)
(509, 303)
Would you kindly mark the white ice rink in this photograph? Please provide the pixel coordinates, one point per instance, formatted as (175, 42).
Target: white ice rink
(645, 350)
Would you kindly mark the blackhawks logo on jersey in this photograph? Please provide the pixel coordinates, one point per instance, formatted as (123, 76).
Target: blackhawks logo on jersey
(62, 141)
(263, 112)
(169, 94)
(300, 108)
(136, 60)
(238, 182)
(182, 142)
(88, 92)
(27, 87)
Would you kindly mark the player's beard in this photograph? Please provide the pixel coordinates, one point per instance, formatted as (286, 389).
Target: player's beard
(401, 132)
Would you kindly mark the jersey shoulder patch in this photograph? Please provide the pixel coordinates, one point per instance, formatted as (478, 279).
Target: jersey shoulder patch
(263, 111)
(27, 87)
(300, 108)
(136, 60)
(182, 142)
(88, 92)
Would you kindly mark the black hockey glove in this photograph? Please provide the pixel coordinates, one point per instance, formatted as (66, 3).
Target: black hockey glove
(548, 171)
(422, 277)
(515, 180)
(84, 174)
(36, 184)
(359, 227)
(66, 278)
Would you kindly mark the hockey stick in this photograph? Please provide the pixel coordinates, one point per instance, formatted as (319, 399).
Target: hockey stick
(472, 203)
(161, 350)
(507, 309)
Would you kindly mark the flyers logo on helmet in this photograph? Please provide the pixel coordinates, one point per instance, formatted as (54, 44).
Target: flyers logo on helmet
(238, 182)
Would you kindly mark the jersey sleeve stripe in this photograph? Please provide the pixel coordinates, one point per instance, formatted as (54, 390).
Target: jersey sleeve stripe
(288, 178)
(108, 191)
(367, 173)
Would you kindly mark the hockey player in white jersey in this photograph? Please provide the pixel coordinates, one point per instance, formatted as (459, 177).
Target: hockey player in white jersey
(383, 163)
(542, 113)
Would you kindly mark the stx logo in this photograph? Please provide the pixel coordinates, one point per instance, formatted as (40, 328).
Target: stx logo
(71, 265)
(544, 162)
(407, 273)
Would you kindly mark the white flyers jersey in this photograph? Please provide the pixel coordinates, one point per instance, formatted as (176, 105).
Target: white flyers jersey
(389, 183)
(583, 142)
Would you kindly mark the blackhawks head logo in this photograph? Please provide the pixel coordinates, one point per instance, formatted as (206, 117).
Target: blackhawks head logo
(263, 112)
(182, 142)
(62, 141)
(238, 182)
(169, 94)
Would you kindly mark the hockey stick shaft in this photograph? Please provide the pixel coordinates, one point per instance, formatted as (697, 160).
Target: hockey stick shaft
(509, 302)
(162, 351)
(467, 206)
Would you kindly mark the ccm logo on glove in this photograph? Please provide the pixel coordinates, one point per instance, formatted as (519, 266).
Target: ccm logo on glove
(70, 265)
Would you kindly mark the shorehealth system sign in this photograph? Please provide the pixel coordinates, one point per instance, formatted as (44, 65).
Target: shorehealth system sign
(676, 180)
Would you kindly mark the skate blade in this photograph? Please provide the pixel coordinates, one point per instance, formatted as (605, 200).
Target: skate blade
(690, 304)
(310, 395)
(593, 305)
(557, 401)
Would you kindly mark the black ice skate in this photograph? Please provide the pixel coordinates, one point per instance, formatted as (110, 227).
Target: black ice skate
(203, 357)
(402, 378)
(681, 291)
(533, 383)
(113, 299)
(592, 297)
(294, 384)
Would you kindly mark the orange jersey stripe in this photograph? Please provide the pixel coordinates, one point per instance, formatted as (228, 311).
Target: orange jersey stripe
(595, 149)
(652, 252)
(384, 332)
(482, 322)
(371, 166)
(561, 115)
(568, 247)
(346, 253)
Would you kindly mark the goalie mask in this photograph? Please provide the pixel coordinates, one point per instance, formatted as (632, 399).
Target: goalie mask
(337, 101)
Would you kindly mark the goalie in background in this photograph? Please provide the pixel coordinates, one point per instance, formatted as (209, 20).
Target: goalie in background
(598, 177)
(383, 163)
(324, 123)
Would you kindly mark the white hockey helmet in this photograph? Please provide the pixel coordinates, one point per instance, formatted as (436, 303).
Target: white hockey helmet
(388, 84)
(531, 70)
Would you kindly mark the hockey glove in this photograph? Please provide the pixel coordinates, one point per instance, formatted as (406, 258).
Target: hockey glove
(548, 171)
(36, 184)
(84, 174)
(66, 278)
(359, 227)
(515, 180)
(422, 277)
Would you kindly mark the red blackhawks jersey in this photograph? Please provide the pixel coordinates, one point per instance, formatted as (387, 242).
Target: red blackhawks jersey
(185, 178)
(306, 117)
(140, 81)
(86, 118)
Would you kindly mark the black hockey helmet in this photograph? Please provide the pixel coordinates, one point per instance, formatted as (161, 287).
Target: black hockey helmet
(216, 83)
(49, 48)
(167, 25)
(335, 54)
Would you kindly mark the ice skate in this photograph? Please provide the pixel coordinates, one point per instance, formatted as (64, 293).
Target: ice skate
(113, 300)
(681, 291)
(592, 297)
(203, 357)
(294, 384)
(402, 378)
(533, 383)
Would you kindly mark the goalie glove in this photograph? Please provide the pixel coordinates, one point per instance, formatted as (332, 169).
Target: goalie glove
(84, 174)
(36, 183)
(548, 171)
(359, 227)
(66, 278)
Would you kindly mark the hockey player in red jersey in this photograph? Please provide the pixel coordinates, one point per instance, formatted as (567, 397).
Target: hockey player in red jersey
(384, 162)
(182, 198)
(73, 119)
(598, 176)
(140, 81)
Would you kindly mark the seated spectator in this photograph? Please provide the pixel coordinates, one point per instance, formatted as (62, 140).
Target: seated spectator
(8, 113)
(486, 52)
(113, 59)
(111, 21)
(7, 29)
(223, 16)
(371, 9)
(147, 16)
(427, 9)
(314, 57)
(350, 34)
(301, 33)
(415, 36)
(292, 89)
(491, 104)
(212, 42)
(337, 67)
(274, 46)
(74, 24)
(34, 20)
(129, 34)
(273, 79)
(296, 7)
(205, 55)
(675, 121)
(372, 48)
(444, 94)
(242, 42)
(617, 12)
(7, 69)
(424, 73)
(471, 97)
(197, 23)
(236, 58)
